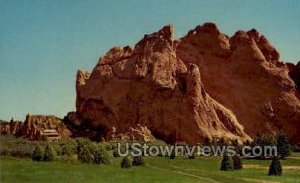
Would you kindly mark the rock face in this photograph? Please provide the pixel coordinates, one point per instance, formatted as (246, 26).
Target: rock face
(151, 86)
(10, 128)
(294, 73)
(33, 127)
(243, 73)
(79, 128)
(203, 85)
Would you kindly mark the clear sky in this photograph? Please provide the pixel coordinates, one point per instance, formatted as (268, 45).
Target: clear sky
(44, 42)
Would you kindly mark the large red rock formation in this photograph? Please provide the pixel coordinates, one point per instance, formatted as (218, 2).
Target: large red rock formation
(150, 85)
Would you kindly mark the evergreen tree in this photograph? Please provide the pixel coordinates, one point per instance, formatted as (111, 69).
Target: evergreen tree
(275, 167)
(38, 153)
(173, 153)
(192, 155)
(283, 146)
(50, 153)
(226, 163)
(138, 161)
(237, 162)
(264, 140)
(126, 162)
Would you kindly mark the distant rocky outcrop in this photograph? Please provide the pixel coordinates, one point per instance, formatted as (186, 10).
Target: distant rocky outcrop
(33, 126)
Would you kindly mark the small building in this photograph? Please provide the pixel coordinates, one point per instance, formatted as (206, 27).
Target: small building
(50, 135)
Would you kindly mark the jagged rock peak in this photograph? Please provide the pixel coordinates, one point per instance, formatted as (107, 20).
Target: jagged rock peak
(209, 28)
(82, 76)
(158, 40)
(166, 33)
(240, 38)
(254, 34)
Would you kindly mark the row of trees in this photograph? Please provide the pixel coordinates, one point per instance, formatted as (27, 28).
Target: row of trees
(282, 143)
(231, 163)
(235, 163)
(44, 154)
(85, 150)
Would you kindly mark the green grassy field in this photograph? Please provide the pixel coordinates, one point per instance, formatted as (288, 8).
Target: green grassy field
(158, 169)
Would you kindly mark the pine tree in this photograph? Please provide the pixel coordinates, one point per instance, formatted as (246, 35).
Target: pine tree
(138, 161)
(275, 167)
(226, 163)
(126, 162)
(173, 153)
(283, 146)
(237, 162)
(264, 140)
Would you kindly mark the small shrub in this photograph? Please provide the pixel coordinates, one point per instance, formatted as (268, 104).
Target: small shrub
(68, 150)
(126, 162)
(50, 153)
(138, 161)
(108, 146)
(237, 162)
(81, 142)
(275, 167)
(226, 163)
(192, 156)
(58, 149)
(101, 156)
(85, 155)
(92, 147)
(38, 153)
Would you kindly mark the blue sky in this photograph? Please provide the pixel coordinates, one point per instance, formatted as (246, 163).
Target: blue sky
(44, 42)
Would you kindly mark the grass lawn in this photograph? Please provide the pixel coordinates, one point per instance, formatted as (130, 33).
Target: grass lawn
(158, 169)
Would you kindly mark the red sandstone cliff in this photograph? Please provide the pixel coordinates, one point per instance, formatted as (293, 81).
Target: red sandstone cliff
(150, 86)
(203, 85)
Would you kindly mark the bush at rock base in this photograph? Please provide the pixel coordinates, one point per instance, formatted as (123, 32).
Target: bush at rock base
(85, 155)
(138, 161)
(126, 162)
(101, 156)
(38, 153)
(50, 153)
